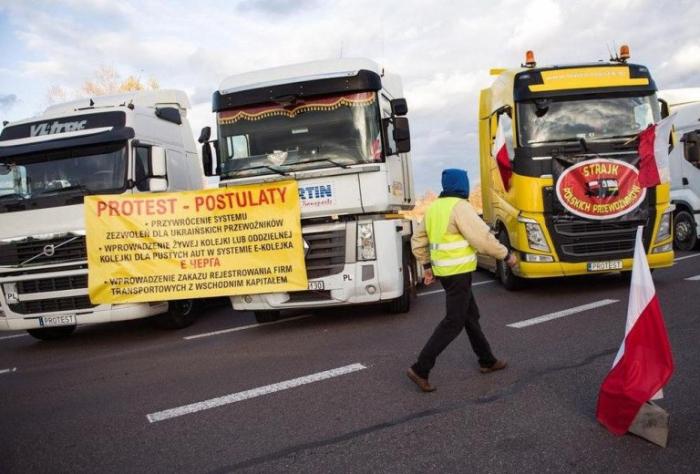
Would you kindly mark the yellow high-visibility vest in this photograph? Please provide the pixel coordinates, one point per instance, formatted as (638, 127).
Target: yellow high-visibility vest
(450, 254)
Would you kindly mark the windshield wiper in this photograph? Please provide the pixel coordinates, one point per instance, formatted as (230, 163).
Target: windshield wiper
(267, 167)
(76, 187)
(341, 165)
(13, 196)
(557, 140)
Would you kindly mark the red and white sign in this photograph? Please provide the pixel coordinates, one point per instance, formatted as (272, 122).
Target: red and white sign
(600, 189)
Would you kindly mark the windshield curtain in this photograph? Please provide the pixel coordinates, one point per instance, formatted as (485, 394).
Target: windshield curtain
(336, 130)
(591, 118)
(96, 169)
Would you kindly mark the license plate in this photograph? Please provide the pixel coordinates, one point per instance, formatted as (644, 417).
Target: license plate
(316, 285)
(605, 266)
(60, 320)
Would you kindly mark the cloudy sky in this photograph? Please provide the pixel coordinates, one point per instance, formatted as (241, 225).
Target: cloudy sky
(442, 49)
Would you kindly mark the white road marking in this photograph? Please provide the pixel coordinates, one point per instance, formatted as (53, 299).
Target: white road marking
(426, 293)
(7, 371)
(560, 314)
(13, 336)
(242, 328)
(248, 394)
(686, 256)
(695, 278)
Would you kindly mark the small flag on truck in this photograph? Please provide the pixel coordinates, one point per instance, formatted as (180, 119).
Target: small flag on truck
(653, 153)
(502, 155)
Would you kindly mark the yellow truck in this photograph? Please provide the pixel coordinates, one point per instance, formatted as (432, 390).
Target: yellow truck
(559, 168)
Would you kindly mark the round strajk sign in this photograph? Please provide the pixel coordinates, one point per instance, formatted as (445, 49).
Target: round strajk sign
(600, 189)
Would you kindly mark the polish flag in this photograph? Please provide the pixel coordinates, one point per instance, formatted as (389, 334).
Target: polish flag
(653, 153)
(644, 363)
(502, 155)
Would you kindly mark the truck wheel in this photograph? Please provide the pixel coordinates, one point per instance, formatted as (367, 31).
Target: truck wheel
(685, 236)
(267, 316)
(402, 304)
(181, 313)
(508, 279)
(51, 334)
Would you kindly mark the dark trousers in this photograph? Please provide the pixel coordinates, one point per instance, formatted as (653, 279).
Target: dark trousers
(462, 313)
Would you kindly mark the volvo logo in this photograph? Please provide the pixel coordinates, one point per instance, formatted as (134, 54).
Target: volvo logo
(49, 250)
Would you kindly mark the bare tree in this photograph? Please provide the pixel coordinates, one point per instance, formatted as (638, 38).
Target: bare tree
(105, 81)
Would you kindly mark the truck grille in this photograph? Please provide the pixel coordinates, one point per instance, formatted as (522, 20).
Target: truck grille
(74, 282)
(578, 240)
(64, 249)
(55, 304)
(326, 254)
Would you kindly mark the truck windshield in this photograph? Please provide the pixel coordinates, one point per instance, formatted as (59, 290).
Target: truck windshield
(60, 177)
(569, 119)
(337, 130)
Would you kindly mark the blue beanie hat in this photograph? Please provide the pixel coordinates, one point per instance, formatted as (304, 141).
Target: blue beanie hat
(455, 181)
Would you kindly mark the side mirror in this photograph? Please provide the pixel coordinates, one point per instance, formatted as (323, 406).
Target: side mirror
(399, 107)
(204, 135)
(158, 163)
(206, 158)
(402, 135)
(692, 147)
(664, 108)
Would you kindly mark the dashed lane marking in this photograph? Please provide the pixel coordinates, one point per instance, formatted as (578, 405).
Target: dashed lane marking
(686, 256)
(256, 392)
(426, 293)
(561, 314)
(12, 336)
(694, 278)
(8, 371)
(243, 328)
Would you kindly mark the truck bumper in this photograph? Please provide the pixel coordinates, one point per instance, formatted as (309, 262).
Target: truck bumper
(560, 269)
(99, 314)
(358, 283)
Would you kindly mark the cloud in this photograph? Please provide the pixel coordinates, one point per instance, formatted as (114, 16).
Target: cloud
(443, 50)
(275, 7)
(7, 101)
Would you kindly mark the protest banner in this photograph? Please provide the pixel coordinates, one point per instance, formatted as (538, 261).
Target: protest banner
(195, 244)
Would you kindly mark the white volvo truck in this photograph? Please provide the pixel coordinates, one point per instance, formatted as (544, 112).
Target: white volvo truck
(338, 128)
(685, 166)
(130, 143)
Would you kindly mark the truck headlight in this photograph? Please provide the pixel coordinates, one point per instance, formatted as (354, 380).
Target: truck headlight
(664, 231)
(535, 236)
(365, 241)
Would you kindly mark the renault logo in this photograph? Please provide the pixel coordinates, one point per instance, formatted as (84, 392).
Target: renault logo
(306, 248)
(49, 250)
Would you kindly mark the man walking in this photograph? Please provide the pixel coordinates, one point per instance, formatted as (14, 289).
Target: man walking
(446, 244)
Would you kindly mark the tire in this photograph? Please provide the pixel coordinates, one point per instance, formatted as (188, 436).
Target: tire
(51, 334)
(508, 279)
(267, 316)
(685, 236)
(181, 313)
(402, 304)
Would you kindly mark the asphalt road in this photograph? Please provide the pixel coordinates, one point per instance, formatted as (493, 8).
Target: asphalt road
(327, 392)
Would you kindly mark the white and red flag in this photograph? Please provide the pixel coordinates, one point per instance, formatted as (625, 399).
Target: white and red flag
(653, 153)
(502, 154)
(644, 363)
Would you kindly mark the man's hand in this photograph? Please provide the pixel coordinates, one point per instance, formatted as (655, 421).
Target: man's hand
(511, 261)
(428, 277)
